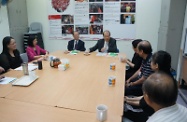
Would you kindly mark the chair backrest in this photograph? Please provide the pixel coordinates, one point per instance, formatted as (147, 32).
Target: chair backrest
(24, 57)
(117, 50)
(35, 27)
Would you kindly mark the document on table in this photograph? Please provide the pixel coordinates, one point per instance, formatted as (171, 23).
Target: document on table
(101, 54)
(31, 67)
(74, 52)
(7, 80)
(112, 54)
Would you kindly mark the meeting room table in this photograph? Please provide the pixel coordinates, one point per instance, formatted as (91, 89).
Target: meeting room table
(68, 96)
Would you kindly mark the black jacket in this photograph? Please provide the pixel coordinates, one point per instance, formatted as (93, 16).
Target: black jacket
(80, 45)
(112, 47)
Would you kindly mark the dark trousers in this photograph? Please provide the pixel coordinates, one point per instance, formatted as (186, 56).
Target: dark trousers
(136, 117)
(128, 74)
(134, 90)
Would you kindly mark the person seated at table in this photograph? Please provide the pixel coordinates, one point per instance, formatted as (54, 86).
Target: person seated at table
(136, 60)
(4, 66)
(2, 70)
(10, 56)
(160, 92)
(34, 51)
(105, 45)
(76, 43)
(134, 83)
(161, 61)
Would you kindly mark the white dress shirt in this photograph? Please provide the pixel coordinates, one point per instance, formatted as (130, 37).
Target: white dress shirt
(175, 113)
(106, 47)
(75, 41)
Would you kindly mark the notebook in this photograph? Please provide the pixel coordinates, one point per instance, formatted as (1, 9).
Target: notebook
(25, 81)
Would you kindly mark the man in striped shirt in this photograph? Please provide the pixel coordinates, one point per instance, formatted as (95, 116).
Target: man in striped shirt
(134, 83)
(160, 92)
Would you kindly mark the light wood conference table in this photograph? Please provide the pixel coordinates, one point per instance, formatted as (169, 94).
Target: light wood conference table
(16, 111)
(81, 87)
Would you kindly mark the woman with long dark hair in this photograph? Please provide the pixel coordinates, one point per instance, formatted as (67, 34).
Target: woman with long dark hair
(10, 56)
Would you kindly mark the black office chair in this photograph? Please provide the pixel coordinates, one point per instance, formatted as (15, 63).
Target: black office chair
(24, 57)
(117, 50)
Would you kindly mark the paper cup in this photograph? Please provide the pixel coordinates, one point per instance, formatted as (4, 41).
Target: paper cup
(101, 111)
(113, 66)
(111, 80)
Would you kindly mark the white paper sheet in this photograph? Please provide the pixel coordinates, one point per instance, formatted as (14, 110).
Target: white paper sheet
(7, 80)
(101, 54)
(31, 67)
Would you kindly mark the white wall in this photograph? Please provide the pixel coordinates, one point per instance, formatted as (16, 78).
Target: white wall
(182, 44)
(4, 25)
(148, 20)
(147, 24)
(184, 30)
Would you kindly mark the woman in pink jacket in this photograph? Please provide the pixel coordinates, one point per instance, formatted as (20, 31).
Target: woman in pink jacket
(35, 52)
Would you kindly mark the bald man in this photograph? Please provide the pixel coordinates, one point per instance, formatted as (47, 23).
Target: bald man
(105, 45)
(160, 93)
(134, 83)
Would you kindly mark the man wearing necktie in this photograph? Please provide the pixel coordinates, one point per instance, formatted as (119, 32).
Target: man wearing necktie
(76, 43)
(105, 45)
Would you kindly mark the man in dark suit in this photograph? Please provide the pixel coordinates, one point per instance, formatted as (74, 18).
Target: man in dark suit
(76, 43)
(105, 45)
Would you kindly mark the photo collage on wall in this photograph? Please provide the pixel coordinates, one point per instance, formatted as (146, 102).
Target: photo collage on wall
(67, 22)
(96, 17)
(91, 16)
(128, 9)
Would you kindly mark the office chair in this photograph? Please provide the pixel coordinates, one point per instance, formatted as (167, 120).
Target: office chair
(117, 50)
(24, 57)
(35, 27)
